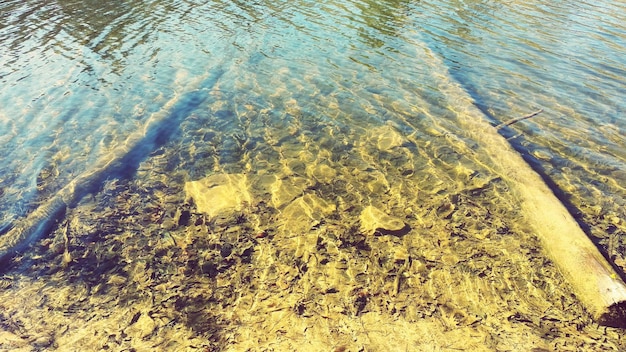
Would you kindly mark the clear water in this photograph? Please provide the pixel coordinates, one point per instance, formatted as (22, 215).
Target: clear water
(305, 87)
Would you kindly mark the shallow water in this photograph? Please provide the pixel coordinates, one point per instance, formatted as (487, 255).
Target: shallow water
(320, 109)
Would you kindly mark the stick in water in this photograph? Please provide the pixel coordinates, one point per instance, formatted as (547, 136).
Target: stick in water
(518, 119)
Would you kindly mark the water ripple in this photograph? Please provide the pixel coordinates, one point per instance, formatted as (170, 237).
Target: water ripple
(97, 69)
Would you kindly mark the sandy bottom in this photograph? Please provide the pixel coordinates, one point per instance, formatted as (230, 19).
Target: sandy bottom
(367, 240)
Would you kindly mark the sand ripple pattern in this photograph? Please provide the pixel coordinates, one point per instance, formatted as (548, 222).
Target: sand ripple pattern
(363, 213)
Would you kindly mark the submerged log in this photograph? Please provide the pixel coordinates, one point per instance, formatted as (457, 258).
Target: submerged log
(594, 281)
(122, 159)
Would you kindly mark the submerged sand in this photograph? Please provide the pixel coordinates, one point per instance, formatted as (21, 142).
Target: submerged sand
(388, 245)
(269, 225)
(311, 203)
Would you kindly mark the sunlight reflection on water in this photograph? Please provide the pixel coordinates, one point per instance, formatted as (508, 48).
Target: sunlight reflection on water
(336, 97)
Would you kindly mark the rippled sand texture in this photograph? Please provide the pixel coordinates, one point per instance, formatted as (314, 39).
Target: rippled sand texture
(309, 224)
(322, 195)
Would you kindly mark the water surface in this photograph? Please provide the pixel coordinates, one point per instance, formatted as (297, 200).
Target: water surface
(326, 108)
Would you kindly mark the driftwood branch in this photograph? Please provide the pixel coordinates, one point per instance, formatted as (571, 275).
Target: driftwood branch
(518, 119)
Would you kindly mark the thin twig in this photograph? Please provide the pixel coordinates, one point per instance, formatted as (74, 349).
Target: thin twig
(518, 119)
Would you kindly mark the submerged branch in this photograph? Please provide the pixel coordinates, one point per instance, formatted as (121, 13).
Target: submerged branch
(518, 119)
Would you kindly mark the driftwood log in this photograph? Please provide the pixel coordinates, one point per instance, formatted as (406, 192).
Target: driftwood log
(594, 281)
